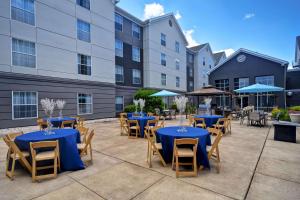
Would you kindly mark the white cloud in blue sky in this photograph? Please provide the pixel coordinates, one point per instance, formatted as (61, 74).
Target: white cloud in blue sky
(177, 15)
(153, 10)
(249, 15)
(189, 37)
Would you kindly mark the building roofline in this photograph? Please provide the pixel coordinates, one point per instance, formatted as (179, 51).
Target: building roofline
(254, 53)
(129, 16)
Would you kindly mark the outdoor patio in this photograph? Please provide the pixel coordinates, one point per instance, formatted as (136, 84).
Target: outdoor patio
(253, 166)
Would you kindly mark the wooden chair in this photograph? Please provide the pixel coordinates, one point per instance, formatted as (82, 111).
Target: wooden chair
(15, 153)
(154, 148)
(123, 115)
(42, 124)
(228, 124)
(136, 114)
(150, 125)
(161, 123)
(42, 156)
(185, 152)
(150, 114)
(123, 126)
(83, 132)
(68, 124)
(85, 148)
(191, 120)
(134, 127)
(221, 124)
(200, 122)
(13, 135)
(213, 150)
(80, 121)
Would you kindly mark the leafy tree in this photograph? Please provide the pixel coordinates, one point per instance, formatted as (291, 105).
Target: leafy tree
(151, 102)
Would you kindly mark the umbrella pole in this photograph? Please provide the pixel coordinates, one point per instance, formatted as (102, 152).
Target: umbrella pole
(256, 101)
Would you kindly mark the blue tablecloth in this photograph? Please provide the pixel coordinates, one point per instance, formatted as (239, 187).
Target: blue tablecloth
(131, 114)
(57, 121)
(68, 138)
(142, 122)
(210, 119)
(167, 135)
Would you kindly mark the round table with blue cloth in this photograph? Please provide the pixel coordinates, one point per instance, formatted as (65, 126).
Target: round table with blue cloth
(139, 113)
(142, 122)
(68, 138)
(57, 121)
(167, 136)
(209, 119)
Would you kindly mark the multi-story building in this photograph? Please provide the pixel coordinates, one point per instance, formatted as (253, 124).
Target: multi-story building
(204, 61)
(297, 51)
(190, 55)
(243, 68)
(219, 57)
(129, 57)
(56, 49)
(164, 54)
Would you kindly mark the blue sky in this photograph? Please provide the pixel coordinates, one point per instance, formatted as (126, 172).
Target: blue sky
(265, 26)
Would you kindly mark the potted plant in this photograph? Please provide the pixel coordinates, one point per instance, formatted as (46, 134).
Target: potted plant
(294, 113)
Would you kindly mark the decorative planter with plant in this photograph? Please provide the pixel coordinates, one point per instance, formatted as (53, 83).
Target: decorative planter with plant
(294, 113)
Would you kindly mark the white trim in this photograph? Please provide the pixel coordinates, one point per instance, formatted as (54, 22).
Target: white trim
(282, 62)
(92, 102)
(118, 23)
(122, 103)
(12, 105)
(34, 13)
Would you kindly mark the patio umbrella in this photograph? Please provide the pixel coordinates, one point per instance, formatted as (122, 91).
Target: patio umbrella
(164, 93)
(259, 88)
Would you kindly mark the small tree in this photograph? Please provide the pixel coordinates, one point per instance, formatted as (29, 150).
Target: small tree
(151, 102)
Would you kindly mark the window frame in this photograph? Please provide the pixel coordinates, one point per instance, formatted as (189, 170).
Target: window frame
(118, 74)
(121, 42)
(89, 8)
(177, 47)
(13, 110)
(90, 57)
(165, 79)
(177, 67)
(177, 82)
(134, 25)
(92, 104)
(90, 35)
(133, 77)
(34, 13)
(132, 54)
(267, 80)
(35, 51)
(163, 62)
(163, 41)
(122, 104)
(121, 17)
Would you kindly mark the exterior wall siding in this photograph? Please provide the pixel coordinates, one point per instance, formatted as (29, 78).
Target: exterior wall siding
(293, 83)
(253, 66)
(56, 88)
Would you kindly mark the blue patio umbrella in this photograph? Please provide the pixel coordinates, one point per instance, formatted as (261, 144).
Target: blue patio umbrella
(164, 93)
(259, 88)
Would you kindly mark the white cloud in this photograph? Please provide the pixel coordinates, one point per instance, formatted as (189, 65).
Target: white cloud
(177, 15)
(189, 37)
(228, 52)
(153, 10)
(249, 15)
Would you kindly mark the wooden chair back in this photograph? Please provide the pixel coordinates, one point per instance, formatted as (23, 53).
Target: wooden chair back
(123, 115)
(83, 132)
(186, 141)
(199, 122)
(133, 123)
(13, 135)
(80, 122)
(152, 148)
(152, 123)
(150, 114)
(191, 120)
(88, 144)
(215, 144)
(68, 123)
(161, 124)
(42, 123)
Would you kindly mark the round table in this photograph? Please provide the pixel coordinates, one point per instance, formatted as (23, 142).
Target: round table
(167, 135)
(209, 119)
(57, 121)
(132, 113)
(142, 122)
(68, 138)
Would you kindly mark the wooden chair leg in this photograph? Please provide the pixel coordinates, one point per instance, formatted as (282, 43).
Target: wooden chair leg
(12, 170)
(177, 167)
(195, 166)
(91, 153)
(33, 173)
(150, 157)
(55, 167)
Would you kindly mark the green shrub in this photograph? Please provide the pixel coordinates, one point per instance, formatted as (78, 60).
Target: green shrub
(129, 108)
(294, 108)
(151, 102)
(283, 116)
(174, 106)
(190, 108)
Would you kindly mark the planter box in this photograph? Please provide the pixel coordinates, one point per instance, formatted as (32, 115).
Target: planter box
(295, 117)
(285, 131)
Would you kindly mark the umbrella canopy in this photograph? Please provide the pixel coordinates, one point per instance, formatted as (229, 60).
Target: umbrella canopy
(258, 88)
(207, 91)
(164, 93)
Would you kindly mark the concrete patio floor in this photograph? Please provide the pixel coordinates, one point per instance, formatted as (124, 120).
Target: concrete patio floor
(253, 166)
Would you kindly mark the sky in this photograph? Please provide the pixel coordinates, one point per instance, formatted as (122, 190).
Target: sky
(266, 26)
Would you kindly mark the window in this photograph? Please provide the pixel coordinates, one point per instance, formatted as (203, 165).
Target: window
(240, 82)
(163, 39)
(119, 103)
(203, 84)
(209, 66)
(84, 3)
(191, 84)
(136, 54)
(191, 72)
(177, 64)
(190, 58)
(266, 80)
(83, 31)
(222, 84)
(163, 79)
(119, 48)
(177, 81)
(24, 105)
(23, 53)
(84, 64)
(177, 47)
(203, 61)
(85, 104)
(119, 74)
(136, 76)
(163, 60)
(136, 31)
(23, 11)
(118, 22)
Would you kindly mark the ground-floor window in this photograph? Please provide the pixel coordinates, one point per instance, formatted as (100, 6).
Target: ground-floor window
(85, 104)
(119, 103)
(223, 101)
(25, 105)
(265, 102)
